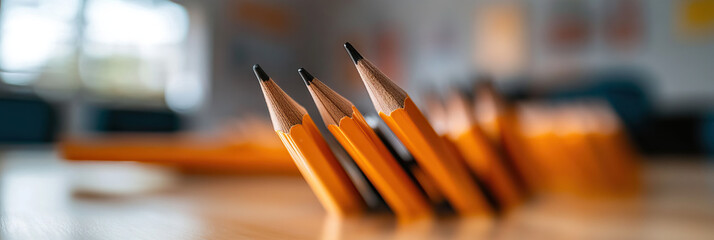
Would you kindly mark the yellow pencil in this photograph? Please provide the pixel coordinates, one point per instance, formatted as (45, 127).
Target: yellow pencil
(349, 127)
(498, 117)
(479, 153)
(411, 127)
(309, 150)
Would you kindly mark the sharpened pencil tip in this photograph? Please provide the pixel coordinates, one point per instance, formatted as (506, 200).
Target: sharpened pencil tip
(306, 76)
(259, 73)
(353, 53)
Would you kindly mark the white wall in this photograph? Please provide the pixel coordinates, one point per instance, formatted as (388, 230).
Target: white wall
(682, 71)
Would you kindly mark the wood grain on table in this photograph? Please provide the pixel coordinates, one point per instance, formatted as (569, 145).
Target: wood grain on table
(44, 197)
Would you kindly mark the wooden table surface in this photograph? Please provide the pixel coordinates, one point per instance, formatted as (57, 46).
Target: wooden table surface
(43, 197)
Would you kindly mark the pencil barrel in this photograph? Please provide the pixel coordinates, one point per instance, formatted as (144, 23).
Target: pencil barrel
(321, 170)
(380, 167)
(430, 152)
(488, 166)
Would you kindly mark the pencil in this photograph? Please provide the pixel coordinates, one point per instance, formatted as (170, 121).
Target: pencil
(308, 148)
(574, 135)
(558, 162)
(349, 127)
(440, 122)
(620, 146)
(411, 127)
(189, 153)
(407, 161)
(506, 125)
(479, 152)
(486, 110)
(436, 115)
(605, 135)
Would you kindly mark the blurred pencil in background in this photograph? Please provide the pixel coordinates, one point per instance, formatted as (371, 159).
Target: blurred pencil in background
(191, 154)
(580, 150)
(480, 154)
(500, 121)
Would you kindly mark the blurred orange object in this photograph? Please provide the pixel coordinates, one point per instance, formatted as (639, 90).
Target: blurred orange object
(545, 150)
(246, 151)
(615, 151)
(581, 148)
(499, 121)
(480, 153)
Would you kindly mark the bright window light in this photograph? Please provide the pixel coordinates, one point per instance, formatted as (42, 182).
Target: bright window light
(136, 23)
(30, 32)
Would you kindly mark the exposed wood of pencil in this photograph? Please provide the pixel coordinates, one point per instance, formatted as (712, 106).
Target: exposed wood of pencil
(349, 127)
(411, 127)
(384, 93)
(479, 153)
(309, 150)
(332, 106)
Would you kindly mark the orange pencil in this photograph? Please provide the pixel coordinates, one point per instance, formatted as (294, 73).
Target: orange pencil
(408, 164)
(630, 162)
(498, 117)
(440, 122)
(349, 127)
(613, 148)
(411, 127)
(573, 133)
(487, 111)
(309, 150)
(556, 172)
(436, 115)
(190, 153)
(479, 152)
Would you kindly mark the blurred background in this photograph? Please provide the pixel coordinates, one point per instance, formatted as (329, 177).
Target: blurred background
(73, 67)
(170, 81)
